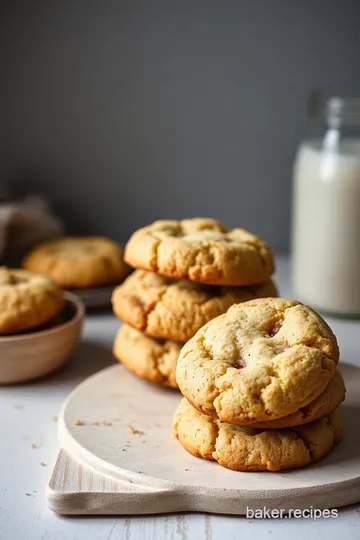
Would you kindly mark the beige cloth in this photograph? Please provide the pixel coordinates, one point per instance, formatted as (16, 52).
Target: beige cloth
(24, 223)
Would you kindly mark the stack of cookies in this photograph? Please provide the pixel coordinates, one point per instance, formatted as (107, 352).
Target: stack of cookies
(261, 387)
(188, 272)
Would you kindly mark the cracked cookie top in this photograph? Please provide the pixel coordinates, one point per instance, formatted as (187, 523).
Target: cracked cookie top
(201, 249)
(329, 400)
(247, 449)
(262, 360)
(167, 308)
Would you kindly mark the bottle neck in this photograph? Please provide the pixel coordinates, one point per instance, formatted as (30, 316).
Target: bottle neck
(343, 113)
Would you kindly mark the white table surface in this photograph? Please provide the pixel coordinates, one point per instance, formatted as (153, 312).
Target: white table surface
(27, 418)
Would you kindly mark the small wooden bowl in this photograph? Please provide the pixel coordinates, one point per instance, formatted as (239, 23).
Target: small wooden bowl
(31, 355)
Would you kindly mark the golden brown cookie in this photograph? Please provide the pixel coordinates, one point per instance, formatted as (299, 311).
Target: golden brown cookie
(150, 359)
(201, 249)
(262, 360)
(329, 400)
(248, 449)
(26, 300)
(78, 262)
(173, 309)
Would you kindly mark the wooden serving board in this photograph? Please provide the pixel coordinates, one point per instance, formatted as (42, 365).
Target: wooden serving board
(118, 456)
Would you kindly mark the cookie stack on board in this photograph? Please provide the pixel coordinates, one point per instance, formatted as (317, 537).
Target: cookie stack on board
(188, 272)
(261, 387)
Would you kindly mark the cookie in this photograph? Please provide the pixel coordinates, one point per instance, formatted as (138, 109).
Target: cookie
(261, 360)
(150, 359)
(78, 262)
(201, 249)
(26, 300)
(329, 400)
(173, 309)
(248, 449)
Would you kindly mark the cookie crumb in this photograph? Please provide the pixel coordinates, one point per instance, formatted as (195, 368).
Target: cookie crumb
(134, 431)
(28, 494)
(33, 446)
(139, 471)
(42, 464)
(95, 423)
(186, 469)
(79, 423)
(123, 449)
(106, 423)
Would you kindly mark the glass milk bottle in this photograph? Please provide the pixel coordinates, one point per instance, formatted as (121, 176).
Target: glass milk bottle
(326, 213)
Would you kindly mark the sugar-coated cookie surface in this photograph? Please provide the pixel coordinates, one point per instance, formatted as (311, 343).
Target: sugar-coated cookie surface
(173, 309)
(201, 249)
(329, 400)
(150, 359)
(262, 360)
(78, 262)
(248, 449)
(27, 300)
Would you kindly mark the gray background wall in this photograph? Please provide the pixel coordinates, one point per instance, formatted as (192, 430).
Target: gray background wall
(127, 111)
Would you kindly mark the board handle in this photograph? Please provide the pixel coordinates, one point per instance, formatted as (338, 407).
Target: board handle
(75, 489)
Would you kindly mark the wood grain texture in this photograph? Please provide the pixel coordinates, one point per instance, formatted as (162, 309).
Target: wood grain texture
(106, 467)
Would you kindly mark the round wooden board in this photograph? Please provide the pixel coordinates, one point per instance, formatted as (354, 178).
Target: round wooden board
(120, 427)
